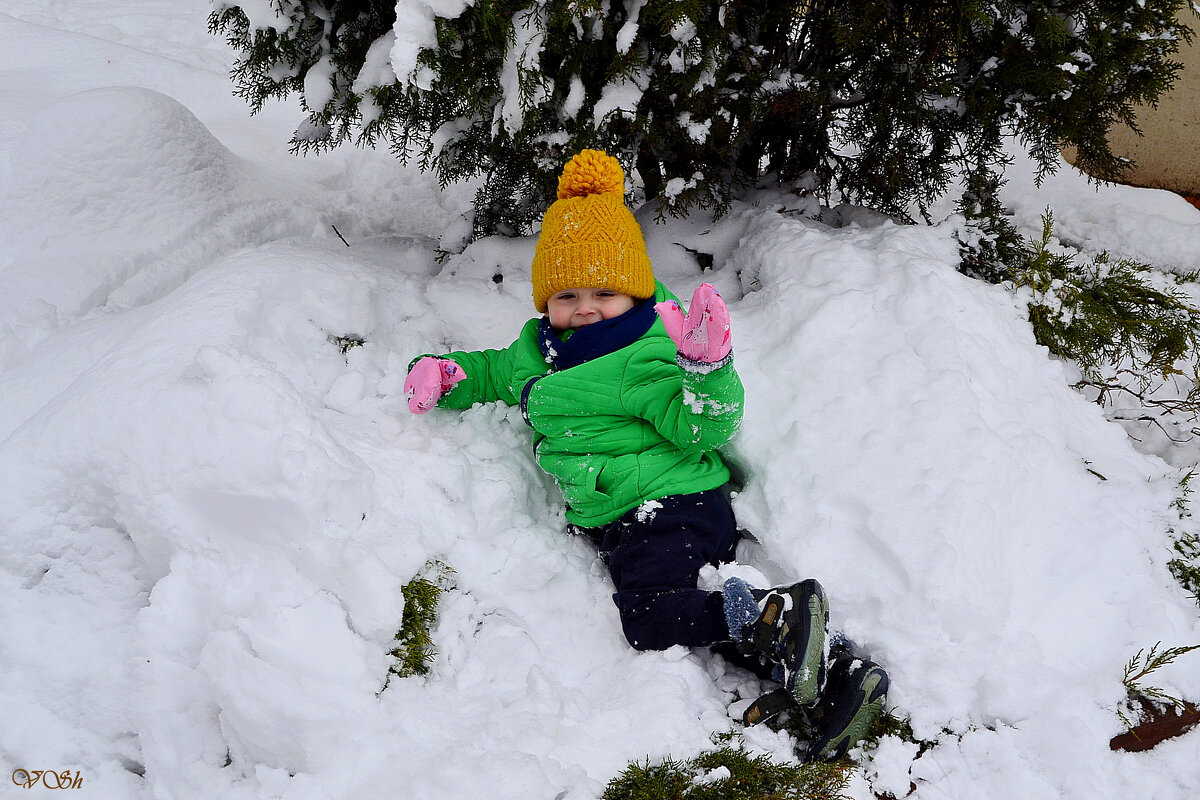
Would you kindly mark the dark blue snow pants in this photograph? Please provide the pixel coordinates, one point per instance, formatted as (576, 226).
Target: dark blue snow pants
(654, 556)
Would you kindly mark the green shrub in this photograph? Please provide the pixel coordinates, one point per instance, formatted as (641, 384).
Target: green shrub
(729, 773)
(1185, 565)
(989, 246)
(414, 651)
(878, 103)
(1104, 313)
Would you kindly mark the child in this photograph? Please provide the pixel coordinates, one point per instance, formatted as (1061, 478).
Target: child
(629, 400)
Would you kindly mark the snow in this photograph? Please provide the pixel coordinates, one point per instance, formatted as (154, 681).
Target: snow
(318, 84)
(891, 764)
(376, 72)
(1146, 225)
(697, 131)
(262, 14)
(629, 30)
(415, 30)
(574, 100)
(208, 509)
(712, 776)
(620, 96)
(521, 61)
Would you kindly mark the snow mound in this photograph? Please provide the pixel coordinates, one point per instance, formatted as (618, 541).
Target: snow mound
(982, 530)
(103, 183)
(194, 529)
(119, 159)
(115, 197)
(216, 508)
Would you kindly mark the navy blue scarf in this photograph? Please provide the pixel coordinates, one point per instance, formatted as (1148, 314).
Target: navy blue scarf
(595, 340)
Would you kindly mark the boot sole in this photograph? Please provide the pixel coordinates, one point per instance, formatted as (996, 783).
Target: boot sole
(806, 622)
(859, 703)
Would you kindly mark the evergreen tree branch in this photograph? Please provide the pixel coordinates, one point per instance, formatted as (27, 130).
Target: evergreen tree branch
(731, 91)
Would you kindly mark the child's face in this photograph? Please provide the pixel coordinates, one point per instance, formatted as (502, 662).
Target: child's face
(574, 308)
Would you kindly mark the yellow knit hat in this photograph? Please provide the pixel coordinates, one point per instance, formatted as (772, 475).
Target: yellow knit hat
(589, 237)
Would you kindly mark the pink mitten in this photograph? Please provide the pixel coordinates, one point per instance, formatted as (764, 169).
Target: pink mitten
(428, 380)
(703, 333)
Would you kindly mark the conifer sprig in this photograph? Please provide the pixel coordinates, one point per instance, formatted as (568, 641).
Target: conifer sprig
(1185, 544)
(1138, 668)
(1104, 313)
(414, 649)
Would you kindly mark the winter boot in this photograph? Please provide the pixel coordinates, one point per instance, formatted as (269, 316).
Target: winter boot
(853, 699)
(768, 707)
(785, 626)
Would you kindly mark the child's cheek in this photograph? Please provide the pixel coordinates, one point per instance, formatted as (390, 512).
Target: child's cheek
(561, 315)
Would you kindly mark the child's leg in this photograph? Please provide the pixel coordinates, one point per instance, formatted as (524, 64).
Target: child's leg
(655, 558)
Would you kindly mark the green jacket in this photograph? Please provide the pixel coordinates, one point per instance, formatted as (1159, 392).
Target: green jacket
(629, 426)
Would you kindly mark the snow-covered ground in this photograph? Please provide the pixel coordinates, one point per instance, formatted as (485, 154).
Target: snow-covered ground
(207, 509)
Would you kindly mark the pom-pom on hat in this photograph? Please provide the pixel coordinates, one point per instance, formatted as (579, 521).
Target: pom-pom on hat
(589, 237)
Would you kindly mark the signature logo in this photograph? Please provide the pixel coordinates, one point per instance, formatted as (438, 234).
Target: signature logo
(27, 779)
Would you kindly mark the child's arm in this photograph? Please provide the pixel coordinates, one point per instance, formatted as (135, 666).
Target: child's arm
(487, 374)
(487, 371)
(695, 403)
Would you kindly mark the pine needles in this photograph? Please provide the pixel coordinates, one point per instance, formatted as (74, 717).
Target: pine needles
(729, 773)
(1185, 544)
(1100, 314)
(1185, 566)
(876, 103)
(1140, 667)
(414, 651)
(1106, 313)
(1129, 328)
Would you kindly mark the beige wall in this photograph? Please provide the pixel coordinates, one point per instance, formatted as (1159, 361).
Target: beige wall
(1168, 152)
